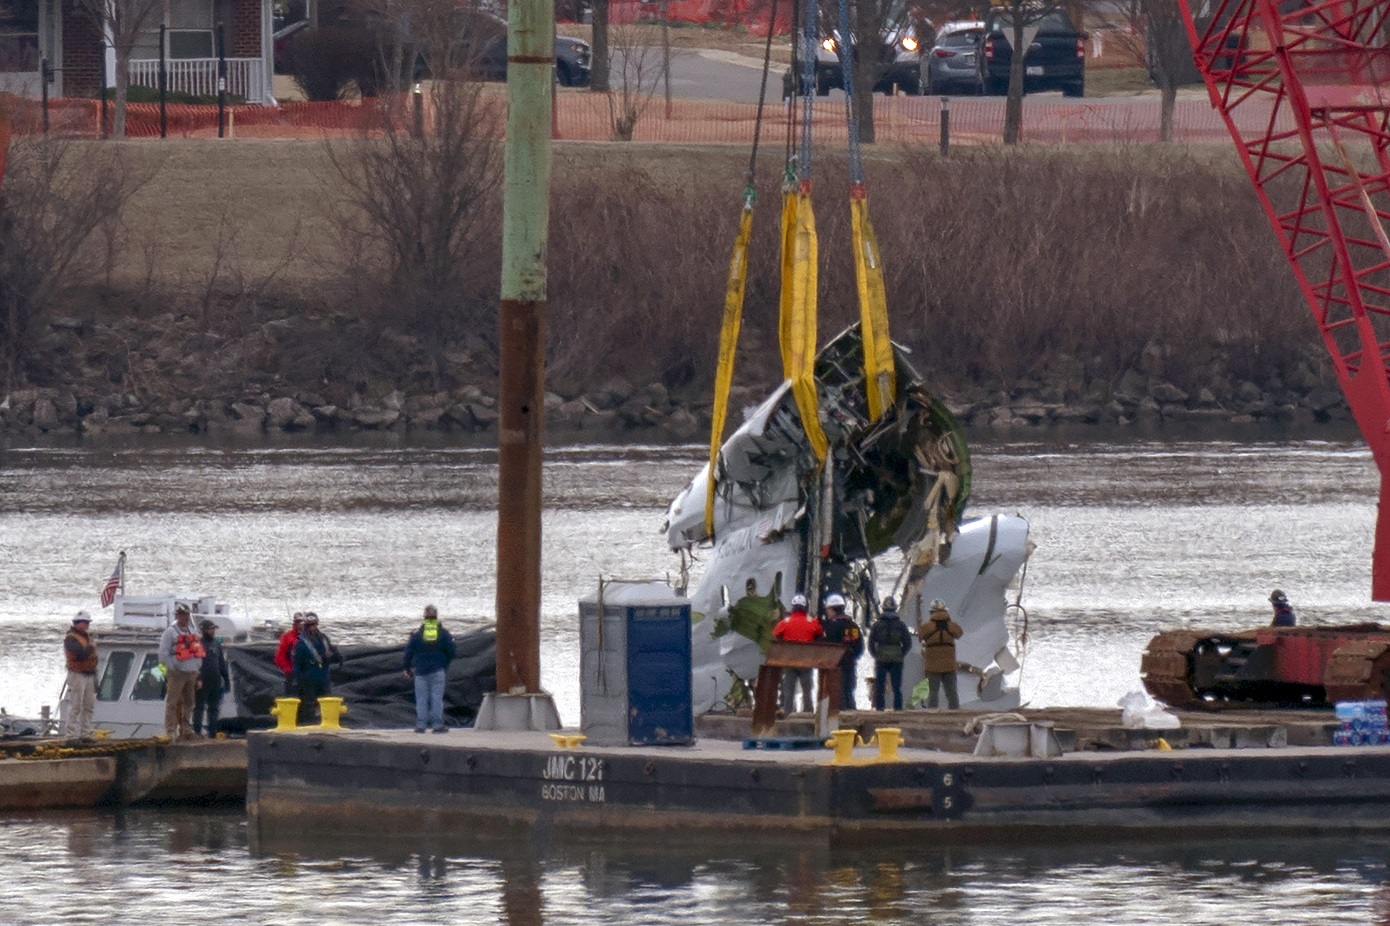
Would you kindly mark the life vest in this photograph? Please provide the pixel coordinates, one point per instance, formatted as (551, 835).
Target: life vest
(429, 632)
(188, 646)
(87, 662)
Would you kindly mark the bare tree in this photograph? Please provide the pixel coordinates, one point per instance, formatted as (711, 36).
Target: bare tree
(1020, 17)
(877, 26)
(599, 56)
(122, 22)
(635, 71)
(56, 195)
(412, 204)
(1169, 56)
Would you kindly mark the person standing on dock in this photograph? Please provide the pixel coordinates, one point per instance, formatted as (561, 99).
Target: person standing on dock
(889, 642)
(798, 627)
(938, 637)
(841, 628)
(428, 653)
(284, 653)
(181, 655)
(312, 654)
(81, 654)
(1283, 611)
(213, 681)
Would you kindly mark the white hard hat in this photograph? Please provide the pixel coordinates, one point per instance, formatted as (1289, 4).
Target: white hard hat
(798, 600)
(938, 605)
(82, 616)
(835, 601)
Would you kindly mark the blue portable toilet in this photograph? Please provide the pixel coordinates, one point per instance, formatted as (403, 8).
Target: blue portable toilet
(634, 666)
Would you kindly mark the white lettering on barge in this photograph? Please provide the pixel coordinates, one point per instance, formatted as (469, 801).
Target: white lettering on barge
(591, 794)
(567, 769)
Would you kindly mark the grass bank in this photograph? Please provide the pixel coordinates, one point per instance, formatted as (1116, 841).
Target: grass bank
(1007, 271)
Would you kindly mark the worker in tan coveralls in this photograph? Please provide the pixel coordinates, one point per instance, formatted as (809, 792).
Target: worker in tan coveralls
(938, 637)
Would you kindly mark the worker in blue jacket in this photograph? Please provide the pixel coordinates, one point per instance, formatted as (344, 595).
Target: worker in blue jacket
(428, 653)
(1283, 611)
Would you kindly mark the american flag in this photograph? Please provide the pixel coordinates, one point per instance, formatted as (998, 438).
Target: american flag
(113, 584)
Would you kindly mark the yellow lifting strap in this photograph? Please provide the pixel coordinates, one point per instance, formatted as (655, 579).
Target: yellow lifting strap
(728, 345)
(880, 372)
(798, 318)
(785, 311)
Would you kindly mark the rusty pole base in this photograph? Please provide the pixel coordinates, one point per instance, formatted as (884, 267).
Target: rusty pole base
(511, 712)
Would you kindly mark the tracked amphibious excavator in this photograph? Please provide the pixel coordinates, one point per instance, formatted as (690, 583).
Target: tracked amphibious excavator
(1304, 87)
(1272, 666)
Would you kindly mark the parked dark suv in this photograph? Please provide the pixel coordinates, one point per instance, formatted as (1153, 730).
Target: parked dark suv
(1056, 59)
(482, 42)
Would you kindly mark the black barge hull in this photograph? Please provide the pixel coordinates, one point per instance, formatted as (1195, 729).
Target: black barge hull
(385, 782)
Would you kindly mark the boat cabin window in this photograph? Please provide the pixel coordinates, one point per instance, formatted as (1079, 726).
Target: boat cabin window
(149, 684)
(114, 675)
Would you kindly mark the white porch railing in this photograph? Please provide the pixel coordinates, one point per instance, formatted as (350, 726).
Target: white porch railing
(198, 76)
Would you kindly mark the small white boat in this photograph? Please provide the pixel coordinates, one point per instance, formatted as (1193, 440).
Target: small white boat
(130, 680)
(131, 683)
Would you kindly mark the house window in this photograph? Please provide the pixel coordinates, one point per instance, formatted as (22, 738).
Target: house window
(191, 43)
(190, 32)
(190, 29)
(19, 36)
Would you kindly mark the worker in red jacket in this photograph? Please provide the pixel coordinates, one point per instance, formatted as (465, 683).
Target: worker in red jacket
(284, 654)
(797, 627)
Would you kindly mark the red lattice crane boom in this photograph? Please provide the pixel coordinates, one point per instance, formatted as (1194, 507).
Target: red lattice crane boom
(1305, 91)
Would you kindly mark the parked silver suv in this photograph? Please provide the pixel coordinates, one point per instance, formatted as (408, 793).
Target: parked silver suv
(950, 66)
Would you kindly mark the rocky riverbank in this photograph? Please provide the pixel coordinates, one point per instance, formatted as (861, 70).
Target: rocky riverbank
(162, 390)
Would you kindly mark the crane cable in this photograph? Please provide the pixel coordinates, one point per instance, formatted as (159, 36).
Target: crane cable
(797, 316)
(880, 371)
(734, 291)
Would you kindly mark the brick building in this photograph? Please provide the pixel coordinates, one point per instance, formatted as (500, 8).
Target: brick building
(66, 35)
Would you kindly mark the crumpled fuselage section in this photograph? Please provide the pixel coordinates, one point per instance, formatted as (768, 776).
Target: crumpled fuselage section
(785, 521)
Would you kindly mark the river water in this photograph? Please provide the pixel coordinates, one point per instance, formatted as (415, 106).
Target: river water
(1132, 535)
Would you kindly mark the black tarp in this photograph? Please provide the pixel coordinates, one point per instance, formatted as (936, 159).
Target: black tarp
(370, 682)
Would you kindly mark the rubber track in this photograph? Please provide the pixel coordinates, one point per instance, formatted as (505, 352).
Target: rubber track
(1165, 667)
(1357, 670)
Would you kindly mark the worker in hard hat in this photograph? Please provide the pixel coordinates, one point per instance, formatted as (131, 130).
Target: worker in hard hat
(841, 628)
(1283, 611)
(938, 636)
(798, 627)
(80, 652)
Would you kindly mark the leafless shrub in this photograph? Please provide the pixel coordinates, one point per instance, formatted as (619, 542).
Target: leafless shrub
(635, 71)
(1002, 267)
(636, 272)
(1155, 38)
(1043, 257)
(56, 195)
(414, 213)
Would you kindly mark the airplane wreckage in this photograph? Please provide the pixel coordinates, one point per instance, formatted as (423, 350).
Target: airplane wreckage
(783, 521)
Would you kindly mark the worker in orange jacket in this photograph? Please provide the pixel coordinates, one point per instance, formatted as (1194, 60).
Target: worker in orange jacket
(797, 627)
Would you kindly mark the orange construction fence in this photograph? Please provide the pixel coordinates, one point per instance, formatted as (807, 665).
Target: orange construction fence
(584, 116)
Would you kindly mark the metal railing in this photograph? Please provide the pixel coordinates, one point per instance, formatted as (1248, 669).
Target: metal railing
(198, 76)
